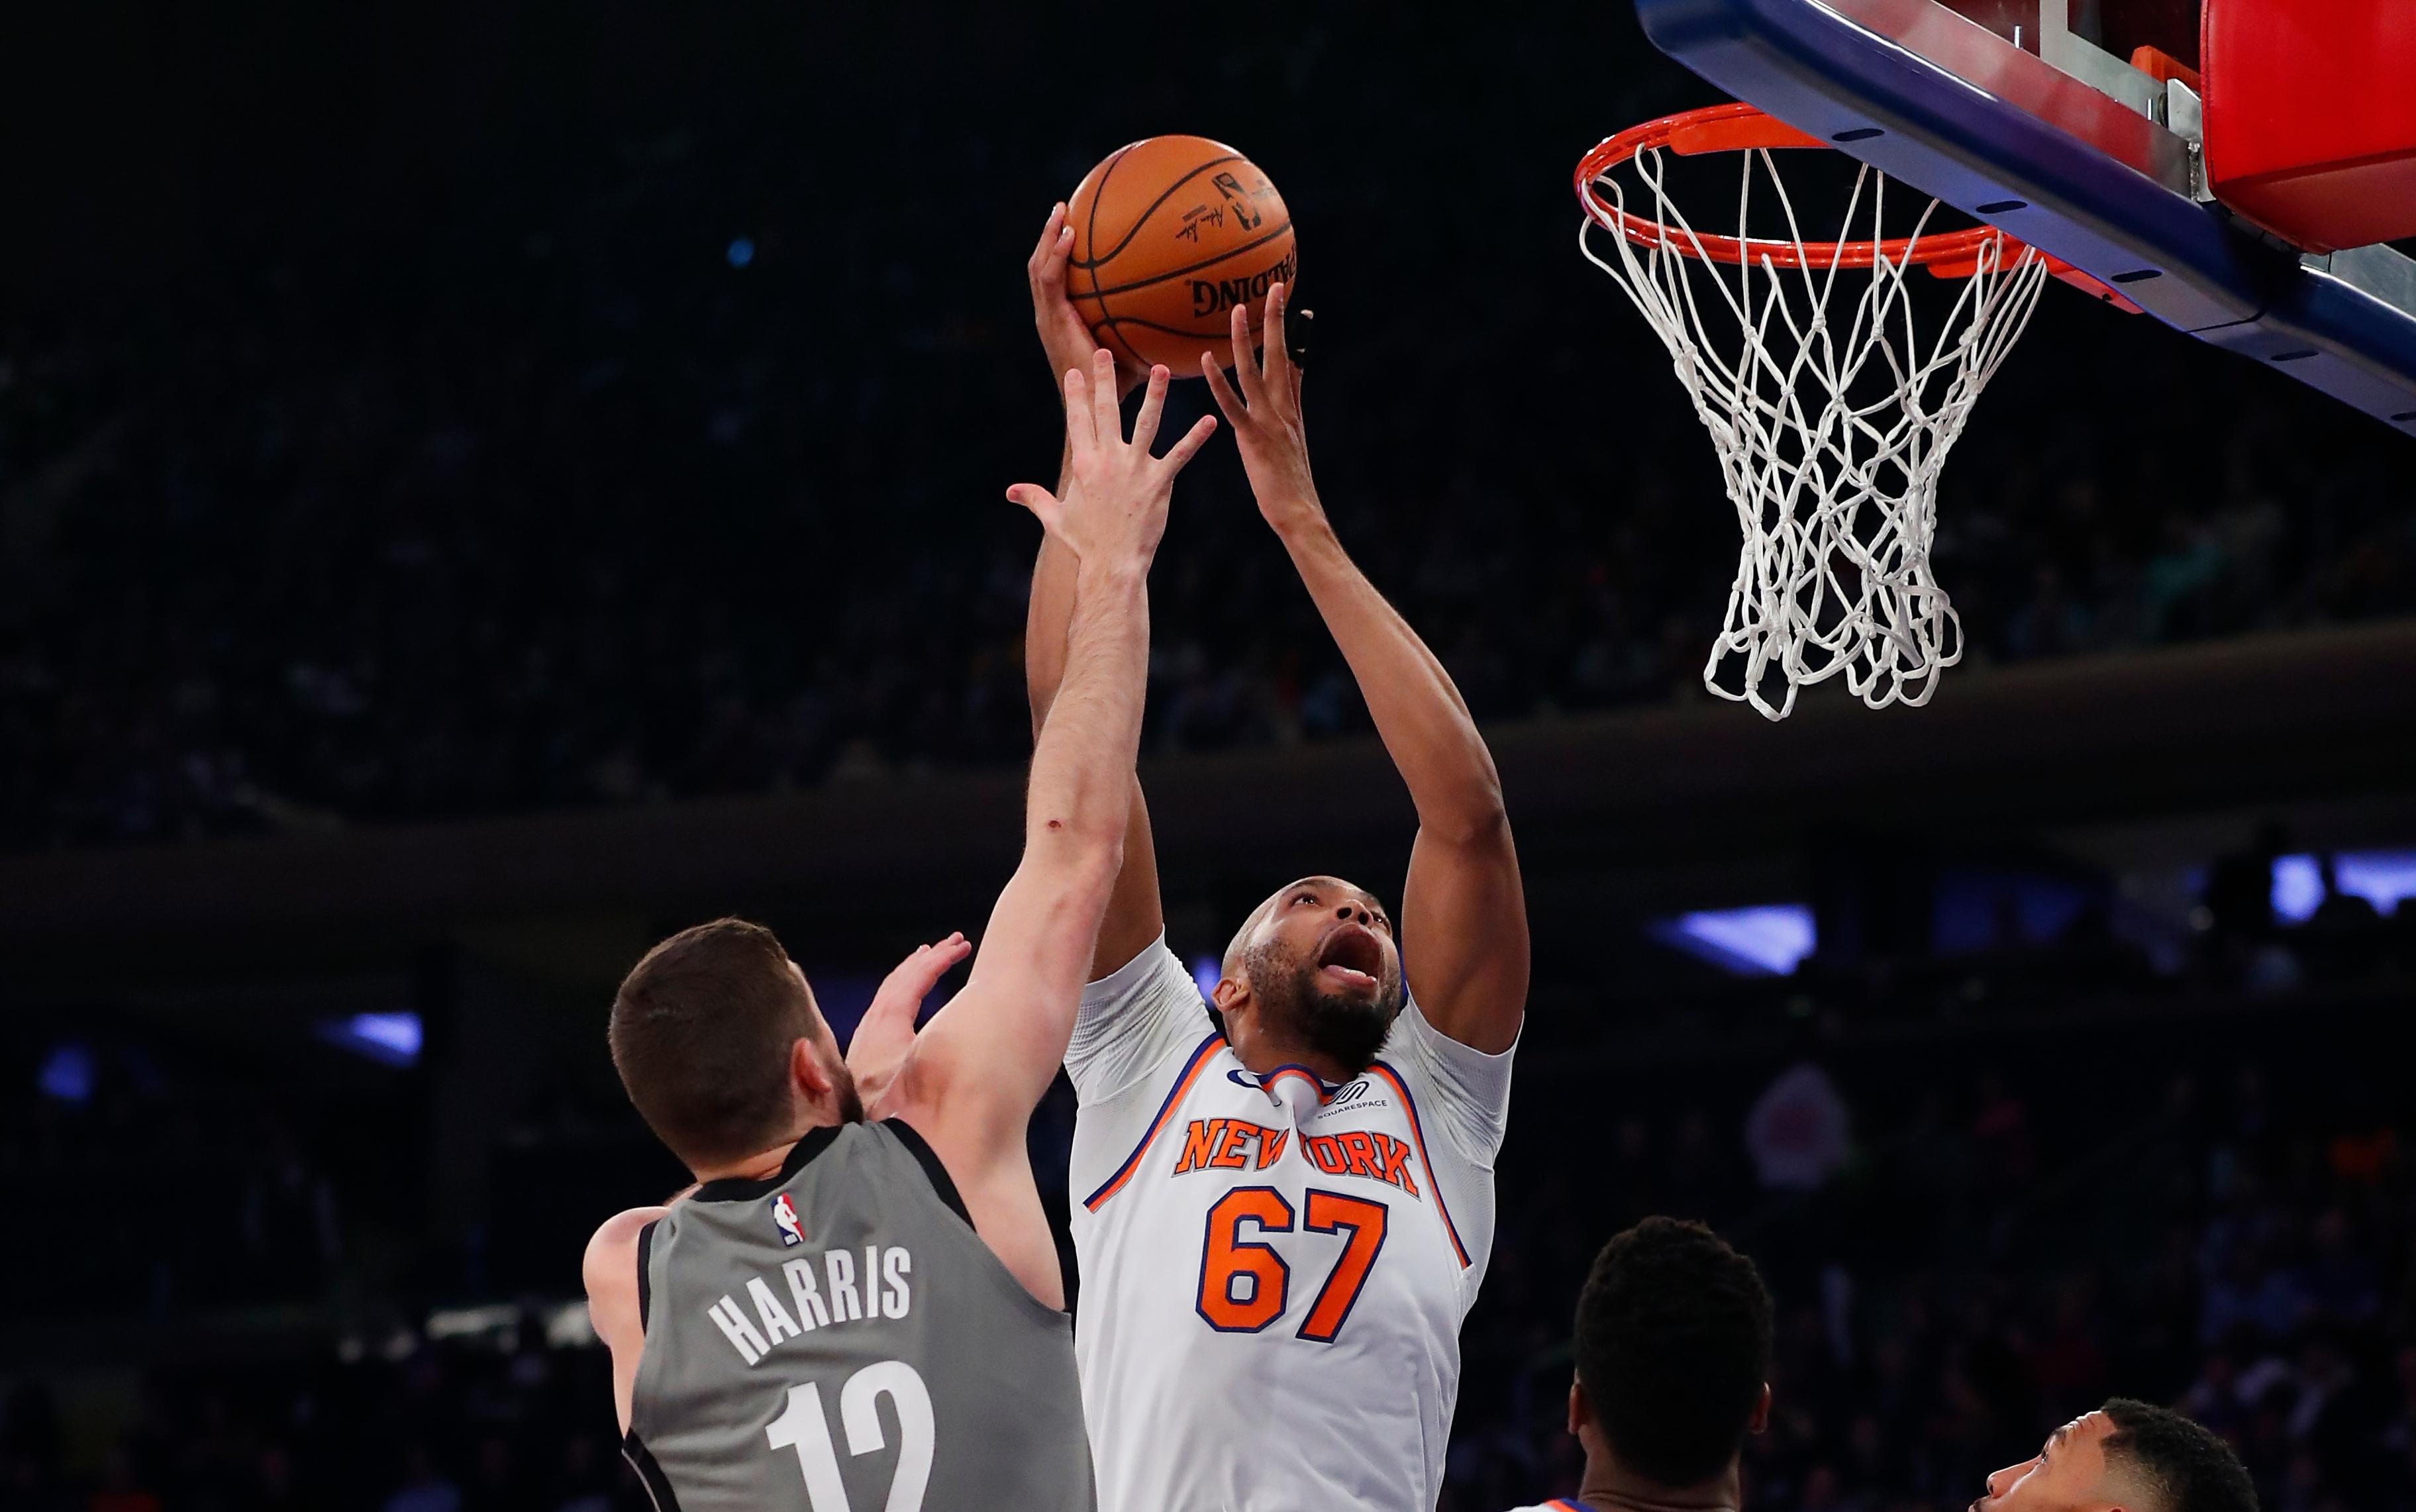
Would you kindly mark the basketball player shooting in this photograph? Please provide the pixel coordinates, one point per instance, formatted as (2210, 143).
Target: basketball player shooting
(868, 1228)
(1282, 1221)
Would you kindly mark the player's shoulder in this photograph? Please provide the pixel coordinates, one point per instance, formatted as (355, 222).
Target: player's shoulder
(1464, 1090)
(1145, 1005)
(610, 1260)
(1414, 1035)
(1153, 968)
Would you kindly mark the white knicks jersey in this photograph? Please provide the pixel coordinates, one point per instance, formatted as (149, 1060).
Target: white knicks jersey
(1273, 1271)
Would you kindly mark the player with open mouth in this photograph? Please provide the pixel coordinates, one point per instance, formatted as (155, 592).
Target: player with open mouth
(1283, 1208)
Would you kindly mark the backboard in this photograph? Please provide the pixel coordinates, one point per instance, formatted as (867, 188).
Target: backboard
(2076, 127)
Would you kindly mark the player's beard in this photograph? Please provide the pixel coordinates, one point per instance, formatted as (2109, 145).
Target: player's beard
(1347, 1028)
(851, 1107)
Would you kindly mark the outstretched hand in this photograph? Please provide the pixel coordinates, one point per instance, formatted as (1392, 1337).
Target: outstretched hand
(1266, 419)
(1114, 509)
(1063, 334)
(885, 1034)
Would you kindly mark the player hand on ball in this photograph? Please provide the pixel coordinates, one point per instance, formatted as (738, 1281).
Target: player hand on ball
(887, 1032)
(1116, 493)
(1265, 416)
(1063, 335)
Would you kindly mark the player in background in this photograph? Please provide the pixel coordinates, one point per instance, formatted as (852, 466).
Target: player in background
(1282, 1217)
(868, 1228)
(1673, 1339)
(2125, 1457)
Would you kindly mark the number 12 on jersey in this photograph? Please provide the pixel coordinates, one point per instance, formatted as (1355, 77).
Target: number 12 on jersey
(804, 1429)
(1245, 1284)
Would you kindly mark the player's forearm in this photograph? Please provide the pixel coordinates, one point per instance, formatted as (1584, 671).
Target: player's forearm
(1046, 622)
(1424, 723)
(1008, 1030)
(1133, 916)
(1081, 767)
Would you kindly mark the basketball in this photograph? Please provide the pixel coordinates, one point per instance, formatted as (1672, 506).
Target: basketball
(1170, 235)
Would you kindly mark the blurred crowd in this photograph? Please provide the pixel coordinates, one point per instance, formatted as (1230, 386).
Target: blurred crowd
(446, 1428)
(232, 1210)
(1985, 1257)
(657, 449)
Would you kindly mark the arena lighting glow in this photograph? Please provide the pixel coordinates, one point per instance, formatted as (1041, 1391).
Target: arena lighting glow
(1207, 971)
(2381, 877)
(67, 1074)
(391, 1038)
(1769, 940)
(742, 252)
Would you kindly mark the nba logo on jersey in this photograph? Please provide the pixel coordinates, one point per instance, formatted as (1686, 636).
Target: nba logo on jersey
(784, 1215)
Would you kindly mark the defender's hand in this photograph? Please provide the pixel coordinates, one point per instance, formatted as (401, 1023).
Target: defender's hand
(1063, 333)
(1114, 509)
(885, 1035)
(1266, 419)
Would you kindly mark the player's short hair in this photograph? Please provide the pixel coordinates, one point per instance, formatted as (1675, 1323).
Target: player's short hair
(1673, 1346)
(1239, 946)
(2184, 1465)
(701, 1034)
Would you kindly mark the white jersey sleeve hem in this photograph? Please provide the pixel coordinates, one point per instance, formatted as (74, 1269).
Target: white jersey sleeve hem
(1470, 1089)
(1130, 1021)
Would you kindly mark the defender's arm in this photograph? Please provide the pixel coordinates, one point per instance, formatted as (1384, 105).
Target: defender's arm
(1135, 914)
(1017, 1011)
(976, 1072)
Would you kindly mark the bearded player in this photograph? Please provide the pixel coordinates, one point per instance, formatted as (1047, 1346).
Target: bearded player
(1282, 1219)
(830, 1260)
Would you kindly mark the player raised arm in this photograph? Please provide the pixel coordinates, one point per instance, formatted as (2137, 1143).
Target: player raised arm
(1135, 916)
(977, 1069)
(1463, 910)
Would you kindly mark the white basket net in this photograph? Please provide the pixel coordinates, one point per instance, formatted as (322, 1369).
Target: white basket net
(1832, 420)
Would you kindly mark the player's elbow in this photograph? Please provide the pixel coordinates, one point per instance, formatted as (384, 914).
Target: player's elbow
(1083, 854)
(1471, 814)
(1091, 872)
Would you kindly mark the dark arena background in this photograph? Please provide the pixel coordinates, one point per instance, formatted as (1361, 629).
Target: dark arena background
(484, 484)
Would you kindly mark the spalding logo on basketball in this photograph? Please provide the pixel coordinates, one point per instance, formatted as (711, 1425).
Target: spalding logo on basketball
(1170, 235)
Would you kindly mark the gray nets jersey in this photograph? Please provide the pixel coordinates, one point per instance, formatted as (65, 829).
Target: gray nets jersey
(837, 1338)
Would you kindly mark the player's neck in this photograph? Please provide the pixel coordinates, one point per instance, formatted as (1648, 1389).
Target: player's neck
(1611, 1487)
(766, 1163)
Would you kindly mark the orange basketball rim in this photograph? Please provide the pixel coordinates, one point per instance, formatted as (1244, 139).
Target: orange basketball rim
(1739, 127)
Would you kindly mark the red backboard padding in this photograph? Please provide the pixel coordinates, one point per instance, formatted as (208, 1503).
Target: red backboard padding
(2311, 116)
